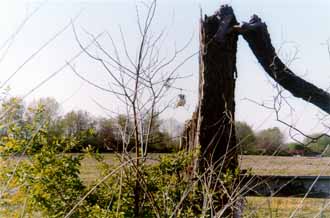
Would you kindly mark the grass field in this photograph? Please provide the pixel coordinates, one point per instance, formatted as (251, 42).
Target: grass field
(256, 207)
(89, 166)
(297, 166)
(285, 207)
(259, 165)
(261, 207)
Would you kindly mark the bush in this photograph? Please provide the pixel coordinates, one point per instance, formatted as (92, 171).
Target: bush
(47, 184)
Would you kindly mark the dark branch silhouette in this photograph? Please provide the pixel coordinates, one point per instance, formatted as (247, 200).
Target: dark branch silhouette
(256, 34)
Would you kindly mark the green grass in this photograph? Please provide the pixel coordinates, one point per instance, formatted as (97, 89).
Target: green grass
(261, 207)
(90, 168)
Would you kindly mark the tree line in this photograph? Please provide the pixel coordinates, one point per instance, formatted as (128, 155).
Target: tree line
(106, 134)
(271, 141)
(102, 134)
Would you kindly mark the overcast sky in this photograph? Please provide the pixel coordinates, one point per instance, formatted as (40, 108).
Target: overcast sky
(296, 26)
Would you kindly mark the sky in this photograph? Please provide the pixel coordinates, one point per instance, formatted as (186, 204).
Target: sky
(298, 28)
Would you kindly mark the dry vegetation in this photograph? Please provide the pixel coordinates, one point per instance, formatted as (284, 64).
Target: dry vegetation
(259, 165)
(297, 166)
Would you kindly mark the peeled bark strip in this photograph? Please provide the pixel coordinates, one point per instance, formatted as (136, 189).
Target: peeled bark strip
(256, 34)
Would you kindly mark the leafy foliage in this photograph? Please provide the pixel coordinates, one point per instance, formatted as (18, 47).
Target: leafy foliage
(44, 180)
(102, 134)
(41, 179)
(320, 145)
(270, 139)
(246, 138)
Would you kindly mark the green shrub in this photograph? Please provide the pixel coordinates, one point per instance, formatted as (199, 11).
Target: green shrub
(39, 179)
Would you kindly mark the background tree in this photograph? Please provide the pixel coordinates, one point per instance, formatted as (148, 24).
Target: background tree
(297, 149)
(12, 110)
(246, 138)
(49, 113)
(12, 113)
(107, 137)
(80, 125)
(319, 143)
(270, 140)
(159, 141)
(50, 109)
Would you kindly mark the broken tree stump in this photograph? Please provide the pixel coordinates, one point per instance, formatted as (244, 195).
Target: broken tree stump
(212, 125)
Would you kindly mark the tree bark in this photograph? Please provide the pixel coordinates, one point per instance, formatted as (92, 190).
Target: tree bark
(212, 125)
(216, 107)
(256, 34)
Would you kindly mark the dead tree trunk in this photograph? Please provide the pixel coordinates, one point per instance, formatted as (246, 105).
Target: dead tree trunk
(216, 106)
(256, 34)
(212, 125)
